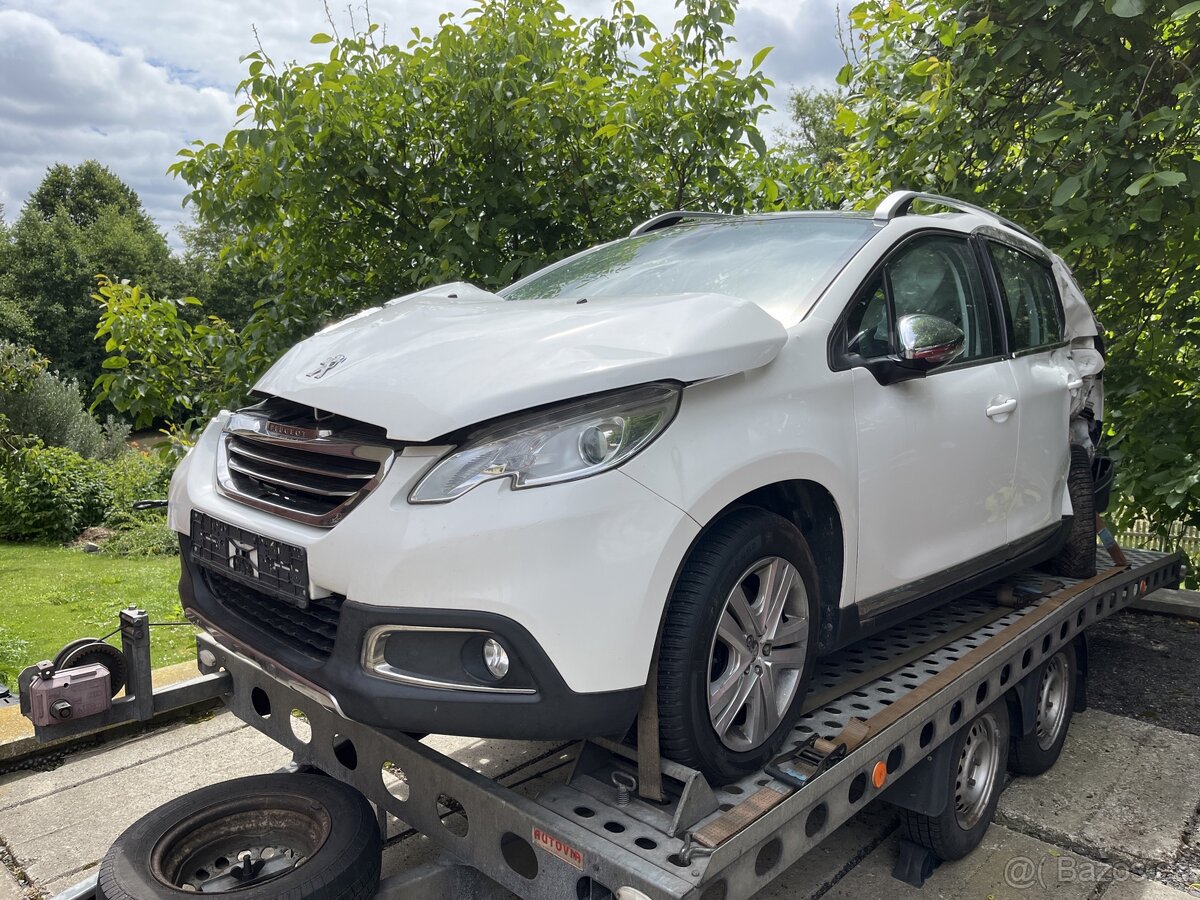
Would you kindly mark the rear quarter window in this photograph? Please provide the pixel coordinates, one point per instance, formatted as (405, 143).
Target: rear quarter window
(1030, 298)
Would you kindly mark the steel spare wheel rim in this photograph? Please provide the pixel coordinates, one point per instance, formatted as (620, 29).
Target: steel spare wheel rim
(758, 653)
(978, 765)
(1052, 701)
(239, 843)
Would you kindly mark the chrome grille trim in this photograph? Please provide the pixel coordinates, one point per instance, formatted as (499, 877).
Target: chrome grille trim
(309, 475)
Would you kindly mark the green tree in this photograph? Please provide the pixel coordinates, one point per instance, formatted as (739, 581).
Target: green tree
(814, 135)
(15, 326)
(482, 152)
(77, 223)
(1080, 121)
(160, 366)
(82, 192)
(229, 286)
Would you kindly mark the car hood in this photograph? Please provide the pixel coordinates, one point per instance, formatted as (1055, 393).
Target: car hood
(445, 358)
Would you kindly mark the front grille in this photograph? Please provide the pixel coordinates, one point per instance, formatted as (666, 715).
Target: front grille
(310, 631)
(282, 458)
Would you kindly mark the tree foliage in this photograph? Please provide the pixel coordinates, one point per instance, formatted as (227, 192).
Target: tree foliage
(82, 193)
(79, 221)
(1080, 121)
(814, 134)
(481, 152)
(160, 366)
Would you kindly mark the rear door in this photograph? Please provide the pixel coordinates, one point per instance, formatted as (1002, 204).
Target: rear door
(1045, 376)
(936, 454)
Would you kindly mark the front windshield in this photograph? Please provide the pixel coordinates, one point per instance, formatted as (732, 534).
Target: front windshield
(781, 263)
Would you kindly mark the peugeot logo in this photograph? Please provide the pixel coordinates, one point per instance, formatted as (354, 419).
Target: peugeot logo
(325, 366)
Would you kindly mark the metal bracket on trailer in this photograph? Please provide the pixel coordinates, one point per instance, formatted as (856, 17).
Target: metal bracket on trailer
(141, 702)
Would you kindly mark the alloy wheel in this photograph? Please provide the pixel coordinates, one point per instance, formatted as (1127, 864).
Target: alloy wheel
(758, 653)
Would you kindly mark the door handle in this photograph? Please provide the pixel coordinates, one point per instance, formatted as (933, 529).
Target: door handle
(1074, 384)
(1003, 408)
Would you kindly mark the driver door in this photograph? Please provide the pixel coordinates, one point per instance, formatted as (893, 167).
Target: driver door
(937, 454)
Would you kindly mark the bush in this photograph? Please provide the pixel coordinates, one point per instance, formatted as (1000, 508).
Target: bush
(133, 476)
(149, 538)
(50, 494)
(52, 409)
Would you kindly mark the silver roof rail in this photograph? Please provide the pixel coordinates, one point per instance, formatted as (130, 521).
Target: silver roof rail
(663, 220)
(899, 203)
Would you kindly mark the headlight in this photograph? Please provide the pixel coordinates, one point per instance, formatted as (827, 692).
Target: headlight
(562, 444)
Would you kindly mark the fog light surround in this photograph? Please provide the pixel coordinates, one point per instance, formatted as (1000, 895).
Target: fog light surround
(495, 657)
(450, 658)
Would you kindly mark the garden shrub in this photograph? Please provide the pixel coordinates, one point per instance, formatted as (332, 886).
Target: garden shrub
(50, 494)
(52, 409)
(132, 476)
(147, 538)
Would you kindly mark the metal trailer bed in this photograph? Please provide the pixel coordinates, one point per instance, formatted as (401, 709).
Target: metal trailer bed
(587, 839)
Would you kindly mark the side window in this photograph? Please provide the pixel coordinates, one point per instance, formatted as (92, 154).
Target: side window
(1030, 297)
(867, 326)
(939, 276)
(936, 275)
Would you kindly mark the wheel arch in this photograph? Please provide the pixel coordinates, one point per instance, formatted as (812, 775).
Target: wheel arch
(811, 507)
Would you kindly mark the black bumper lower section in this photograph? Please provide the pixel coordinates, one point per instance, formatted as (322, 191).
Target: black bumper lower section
(552, 712)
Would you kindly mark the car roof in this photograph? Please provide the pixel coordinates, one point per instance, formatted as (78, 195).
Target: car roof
(896, 205)
(965, 222)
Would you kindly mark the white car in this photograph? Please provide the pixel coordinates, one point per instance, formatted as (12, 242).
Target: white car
(722, 446)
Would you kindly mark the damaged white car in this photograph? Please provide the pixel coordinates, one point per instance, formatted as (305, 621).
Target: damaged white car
(706, 454)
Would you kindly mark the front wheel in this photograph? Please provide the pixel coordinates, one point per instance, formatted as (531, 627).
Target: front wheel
(738, 645)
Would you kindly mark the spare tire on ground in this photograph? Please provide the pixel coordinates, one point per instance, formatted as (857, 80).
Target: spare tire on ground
(264, 837)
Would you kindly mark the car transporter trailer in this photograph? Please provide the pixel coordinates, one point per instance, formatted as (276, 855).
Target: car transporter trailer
(881, 721)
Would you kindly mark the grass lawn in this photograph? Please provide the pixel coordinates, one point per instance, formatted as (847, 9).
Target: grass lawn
(50, 595)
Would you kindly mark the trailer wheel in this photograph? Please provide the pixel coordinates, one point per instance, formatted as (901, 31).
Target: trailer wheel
(1077, 558)
(738, 645)
(980, 751)
(262, 837)
(1035, 752)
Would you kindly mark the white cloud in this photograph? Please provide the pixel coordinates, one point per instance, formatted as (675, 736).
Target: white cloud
(129, 82)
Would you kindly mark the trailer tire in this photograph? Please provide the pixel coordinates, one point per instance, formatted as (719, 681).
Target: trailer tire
(723, 561)
(1077, 558)
(959, 828)
(328, 825)
(1035, 752)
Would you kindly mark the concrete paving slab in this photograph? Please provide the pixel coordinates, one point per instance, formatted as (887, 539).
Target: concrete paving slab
(21, 787)
(1006, 866)
(58, 837)
(1171, 602)
(1140, 889)
(1122, 790)
(10, 889)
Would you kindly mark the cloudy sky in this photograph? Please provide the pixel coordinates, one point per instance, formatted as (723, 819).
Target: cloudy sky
(129, 82)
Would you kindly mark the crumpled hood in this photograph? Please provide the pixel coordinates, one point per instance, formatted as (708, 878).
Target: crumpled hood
(445, 358)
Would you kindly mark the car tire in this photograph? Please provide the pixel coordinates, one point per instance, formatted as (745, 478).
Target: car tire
(1077, 558)
(329, 826)
(1036, 752)
(747, 552)
(979, 755)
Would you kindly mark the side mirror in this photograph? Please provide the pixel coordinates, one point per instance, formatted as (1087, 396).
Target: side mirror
(926, 342)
